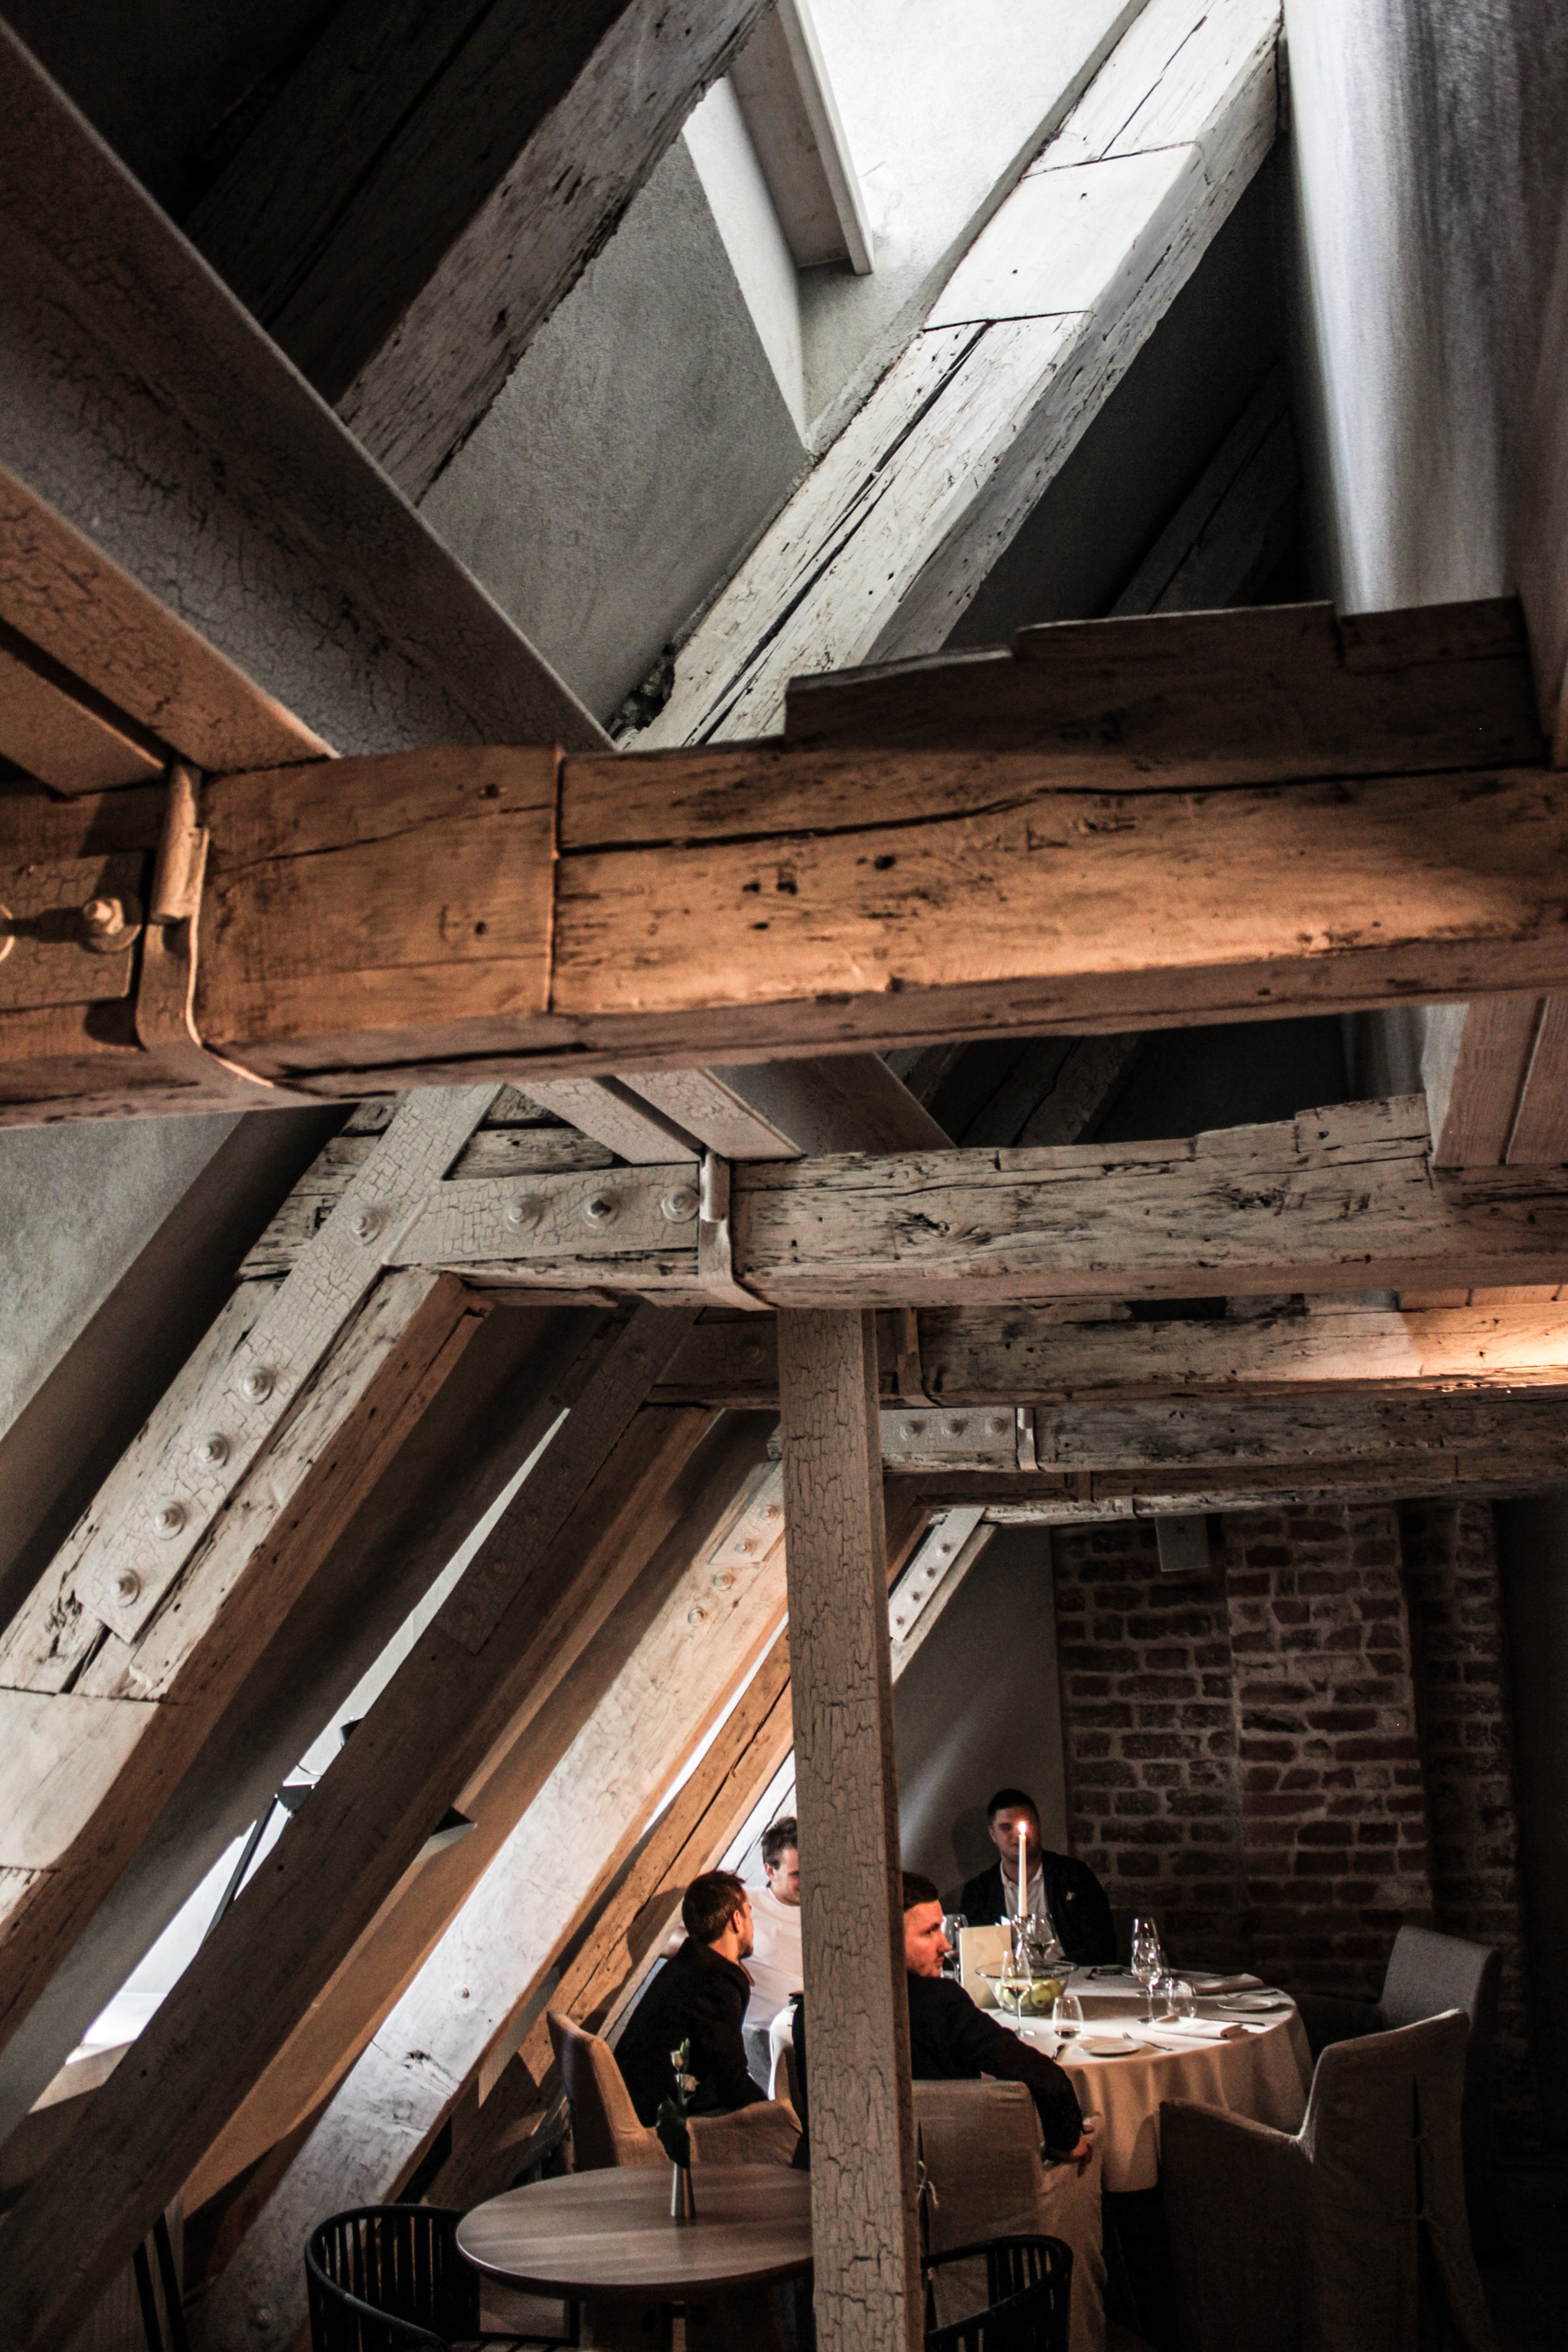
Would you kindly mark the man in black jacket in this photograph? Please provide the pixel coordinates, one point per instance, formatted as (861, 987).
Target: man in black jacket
(700, 1996)
(952, 2041)
(1064, 1889)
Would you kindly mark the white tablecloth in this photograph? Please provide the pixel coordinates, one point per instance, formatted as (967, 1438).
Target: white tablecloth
(1266, 2076)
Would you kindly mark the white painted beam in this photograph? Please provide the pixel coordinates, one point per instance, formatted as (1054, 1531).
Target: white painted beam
(881, 550)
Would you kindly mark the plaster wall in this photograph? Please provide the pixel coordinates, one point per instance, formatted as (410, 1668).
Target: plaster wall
(637, 451)
(978, 1708)
(1430, 146)
(720, 147)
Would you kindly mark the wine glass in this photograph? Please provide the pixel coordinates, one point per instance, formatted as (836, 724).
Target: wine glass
(1066, 2015)
(1147, 1959)
(1016, 1976)
(953, 1926)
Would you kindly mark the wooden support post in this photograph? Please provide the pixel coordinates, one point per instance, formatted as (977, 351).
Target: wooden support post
(862, 2126)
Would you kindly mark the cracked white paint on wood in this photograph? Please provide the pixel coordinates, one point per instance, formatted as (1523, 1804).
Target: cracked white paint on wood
(883, 547)
(864, 2235)
(585, 1821)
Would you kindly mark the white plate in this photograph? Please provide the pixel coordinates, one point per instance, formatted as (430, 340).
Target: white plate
(1108, 2045)
(1255, 2003)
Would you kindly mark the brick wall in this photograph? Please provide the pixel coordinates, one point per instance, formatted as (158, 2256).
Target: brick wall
(1287, 1760)
(1149, 1727)
(1333, 1809)
(1462, 1707)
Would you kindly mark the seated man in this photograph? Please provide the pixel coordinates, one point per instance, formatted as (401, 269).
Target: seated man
(952, 2041)
(1065, 1890)
(699, 1997)
(776, 1965)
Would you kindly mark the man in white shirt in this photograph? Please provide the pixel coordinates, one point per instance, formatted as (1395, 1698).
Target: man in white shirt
(775, 1963)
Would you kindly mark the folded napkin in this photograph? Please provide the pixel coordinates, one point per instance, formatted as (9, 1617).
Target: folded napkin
(1209, 1985)
(1202, 2029)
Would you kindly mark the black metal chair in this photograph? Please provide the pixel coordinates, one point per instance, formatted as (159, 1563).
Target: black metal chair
(1029, 2294)
(387, 2278)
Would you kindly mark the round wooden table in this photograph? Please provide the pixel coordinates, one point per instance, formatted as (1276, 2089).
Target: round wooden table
(608, 2237)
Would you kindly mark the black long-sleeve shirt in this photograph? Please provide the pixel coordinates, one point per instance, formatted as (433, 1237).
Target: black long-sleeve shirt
(952, 2041)
(699, 1997)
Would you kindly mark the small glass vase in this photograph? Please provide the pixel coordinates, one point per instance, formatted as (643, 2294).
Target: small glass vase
(682, 2204)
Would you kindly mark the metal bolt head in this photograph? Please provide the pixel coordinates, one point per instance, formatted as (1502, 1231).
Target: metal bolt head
(215, 1448)
(955, 1427)
(169, 1518)
(128, 1584)
(101, 914)
(909, 1432)
(257, 1383)
(365, 1224)
(110, 925)
(523, 1212)
(679, 1208)
(773, 1513)
(723, 1581)
(600, 1209)
(697, 1616)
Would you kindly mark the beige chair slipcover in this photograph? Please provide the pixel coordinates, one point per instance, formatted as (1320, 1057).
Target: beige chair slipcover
(604, 2127)
(984, 2177)
(1350, 2233)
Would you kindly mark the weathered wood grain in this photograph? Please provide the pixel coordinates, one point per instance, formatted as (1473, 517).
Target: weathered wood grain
(1044, 1356)
(252, 590)
(169, 1687)
(884, 545)
(1540, 1135)
(56, 729)
(423, 192)
(445, 1710)
(1342, 1200)
(673, 1530)
(864, 2234)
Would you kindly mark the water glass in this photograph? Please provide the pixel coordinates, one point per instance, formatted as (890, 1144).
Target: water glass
(1067, 2014)
(1171, 1997)
(952, 1924)
(1148, 1960)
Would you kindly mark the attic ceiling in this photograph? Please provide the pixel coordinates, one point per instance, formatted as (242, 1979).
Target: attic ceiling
(608, 502)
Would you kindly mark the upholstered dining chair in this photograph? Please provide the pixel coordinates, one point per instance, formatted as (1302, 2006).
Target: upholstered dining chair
(1426, 1974)
(604, 2127)
(983, 2178)
(1352, 2231)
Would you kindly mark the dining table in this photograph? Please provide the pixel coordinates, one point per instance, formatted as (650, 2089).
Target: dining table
(608, 2241)
(1236, 2053)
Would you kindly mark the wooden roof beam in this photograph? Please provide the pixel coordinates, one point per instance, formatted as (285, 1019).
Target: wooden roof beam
(541, 1585)
(426, 188)
(963, 1358)
(886, 543)
(197, 540)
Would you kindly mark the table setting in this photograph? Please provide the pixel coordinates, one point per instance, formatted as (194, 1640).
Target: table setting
(1130, 2037)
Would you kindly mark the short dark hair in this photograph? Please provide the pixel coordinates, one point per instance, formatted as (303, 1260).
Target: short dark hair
(1007, 1797)
(917, 1890)
(778, 1842)
(709, 1904)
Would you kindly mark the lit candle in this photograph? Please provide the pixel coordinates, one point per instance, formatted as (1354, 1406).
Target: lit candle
(1022, 1874)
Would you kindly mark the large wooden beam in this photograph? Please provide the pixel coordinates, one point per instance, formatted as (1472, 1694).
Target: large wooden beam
(382, 921)
(682, 1522)
(497, 1648)
(192, 533)
(961, 1357)
(194, 1549)
(1337, 1200)
(424, 189)
(887, 541)
(864, 2235)
(461, 2016)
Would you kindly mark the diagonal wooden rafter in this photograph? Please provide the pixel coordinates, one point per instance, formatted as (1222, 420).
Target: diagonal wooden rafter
(499, 1645)
(424, 189)
(883, 547)
(172, 549)
(194, 1551)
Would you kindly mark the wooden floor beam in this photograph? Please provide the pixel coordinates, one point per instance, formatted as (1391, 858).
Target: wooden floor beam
(864, 2234)
(537, 1591)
